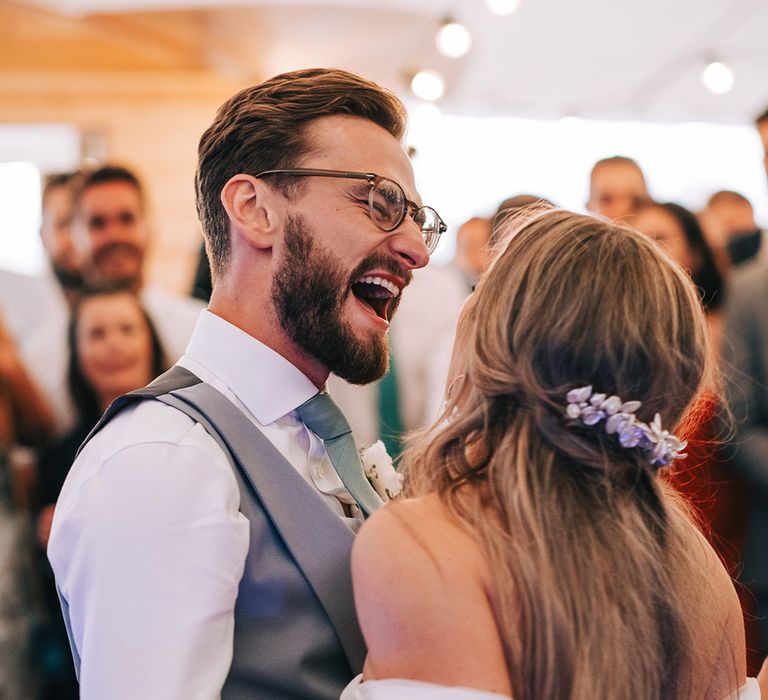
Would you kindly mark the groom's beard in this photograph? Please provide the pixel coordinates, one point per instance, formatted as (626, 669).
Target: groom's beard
(309, 291)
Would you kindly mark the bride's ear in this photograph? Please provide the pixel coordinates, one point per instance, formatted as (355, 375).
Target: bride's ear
(254, 209)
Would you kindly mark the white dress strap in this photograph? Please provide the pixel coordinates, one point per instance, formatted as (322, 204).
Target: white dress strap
(401, 689)
(749, 691)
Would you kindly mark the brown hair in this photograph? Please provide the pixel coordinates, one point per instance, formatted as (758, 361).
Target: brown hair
(563, 513)
(264, 127)
(83, 394)
(110, 173)
(54, 181)
(728, 196)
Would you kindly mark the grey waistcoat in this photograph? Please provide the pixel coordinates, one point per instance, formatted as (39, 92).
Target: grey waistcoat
(296, 635)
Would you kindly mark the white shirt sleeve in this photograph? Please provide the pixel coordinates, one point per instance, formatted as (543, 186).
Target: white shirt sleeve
(148, 548)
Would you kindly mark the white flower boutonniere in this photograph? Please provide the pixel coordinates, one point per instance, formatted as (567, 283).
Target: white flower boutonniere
(380, 471)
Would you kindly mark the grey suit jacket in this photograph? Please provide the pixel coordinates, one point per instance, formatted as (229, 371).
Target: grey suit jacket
(745, 365)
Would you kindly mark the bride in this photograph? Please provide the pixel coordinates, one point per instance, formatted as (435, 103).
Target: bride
(539, 555)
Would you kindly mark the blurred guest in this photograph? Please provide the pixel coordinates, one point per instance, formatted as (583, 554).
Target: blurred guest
(442, 350)
(718, 492)
(762, 130)
(111, 234)
(514, 204)
(471, 256)
(745, 353)
(677, 230)
(730, 220)
(56, 233)
(25, 416)
(113, 348)
(28, 301)
(511, 207)
(617, 188)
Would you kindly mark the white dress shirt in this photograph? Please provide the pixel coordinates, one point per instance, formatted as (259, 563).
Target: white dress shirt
(27, 302)
(148, 545)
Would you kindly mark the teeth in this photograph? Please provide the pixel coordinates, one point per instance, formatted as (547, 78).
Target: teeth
(381, 282)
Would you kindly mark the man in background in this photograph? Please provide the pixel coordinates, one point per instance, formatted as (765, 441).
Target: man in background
(56, 233)
(745, 365)
(617, 188)
(111, 234)
(729, 222)
(471, 255)
(26, 301)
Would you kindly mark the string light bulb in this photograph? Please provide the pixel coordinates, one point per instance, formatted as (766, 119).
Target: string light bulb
(428, 85)
(453, 39)
(502, 7)
(717, 77)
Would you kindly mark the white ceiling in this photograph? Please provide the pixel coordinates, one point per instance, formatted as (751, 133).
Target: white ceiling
(593, 58)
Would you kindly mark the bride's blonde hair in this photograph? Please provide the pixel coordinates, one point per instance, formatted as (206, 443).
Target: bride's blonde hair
(586, 546)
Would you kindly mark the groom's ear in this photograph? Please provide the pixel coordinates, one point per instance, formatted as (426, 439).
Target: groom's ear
(254, 209)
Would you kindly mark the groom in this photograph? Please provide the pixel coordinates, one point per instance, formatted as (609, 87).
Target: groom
(201, 542)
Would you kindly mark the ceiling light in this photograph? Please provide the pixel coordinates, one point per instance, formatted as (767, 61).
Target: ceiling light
(453, 39)
(502, 7)
(717, 77)
(428, 85)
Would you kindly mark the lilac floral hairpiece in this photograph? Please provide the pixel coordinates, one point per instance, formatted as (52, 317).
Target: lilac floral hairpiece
(660, 446)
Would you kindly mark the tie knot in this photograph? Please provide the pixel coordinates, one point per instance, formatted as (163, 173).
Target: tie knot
(323, 417)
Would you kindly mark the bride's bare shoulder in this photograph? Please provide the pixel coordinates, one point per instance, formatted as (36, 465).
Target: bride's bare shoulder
(717, 620)
(419, 531)
(422, 600)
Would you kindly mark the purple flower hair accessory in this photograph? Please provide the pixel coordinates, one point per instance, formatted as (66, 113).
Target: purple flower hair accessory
(588, 408)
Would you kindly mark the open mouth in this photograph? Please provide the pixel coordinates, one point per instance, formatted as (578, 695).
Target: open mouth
(378, 293)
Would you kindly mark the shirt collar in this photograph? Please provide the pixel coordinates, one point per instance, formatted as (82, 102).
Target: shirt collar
(268, 384)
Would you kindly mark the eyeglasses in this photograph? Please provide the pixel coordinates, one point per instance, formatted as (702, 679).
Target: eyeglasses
(387, 204)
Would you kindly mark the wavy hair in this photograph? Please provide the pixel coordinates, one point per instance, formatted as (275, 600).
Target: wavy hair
(564, 514)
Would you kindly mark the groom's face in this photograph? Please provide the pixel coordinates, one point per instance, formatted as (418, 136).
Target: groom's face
(338, 277)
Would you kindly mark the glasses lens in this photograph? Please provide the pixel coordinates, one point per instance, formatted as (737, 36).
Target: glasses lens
(428, 221)
(387, 204)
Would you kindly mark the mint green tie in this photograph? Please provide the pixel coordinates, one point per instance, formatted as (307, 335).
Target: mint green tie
(325, 419)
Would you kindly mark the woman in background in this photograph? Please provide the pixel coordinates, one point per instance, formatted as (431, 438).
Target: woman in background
(677, 230)
(540, 555)
(113, 349)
